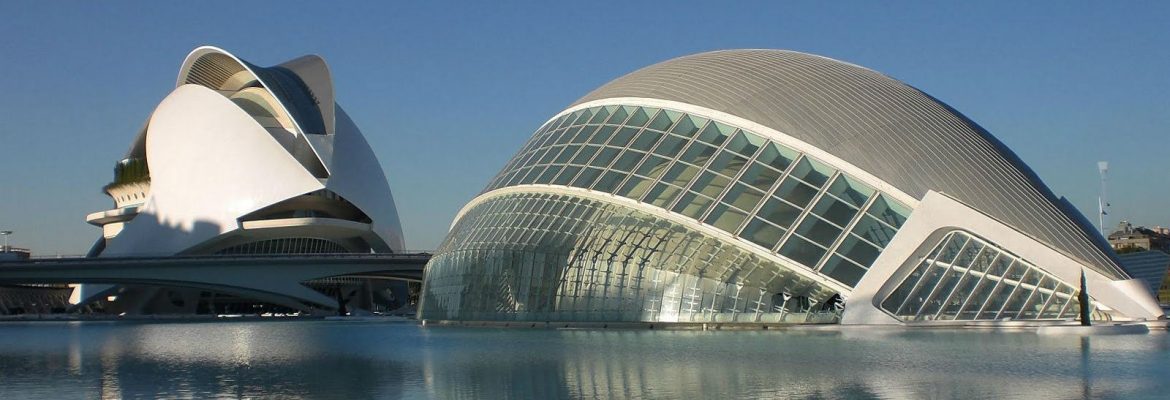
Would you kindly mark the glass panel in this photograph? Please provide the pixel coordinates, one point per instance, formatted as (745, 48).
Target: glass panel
(628, 160)
(604, 157)
(566, 154)
(645, 140)
(670, 146)
(843, 271)
(869, 228)
(602, 135)
(567, 175)
(802, 251)
(796, 193)
(584, 155)
(660, 122)
(835, 211)
(583, 116)
(635, 187)
(762, 233)
(727, 163)
(726, 218)
(710, 184)
(548, 174)
(601, 114)
(697, 154)
(818, 230)
(623, 137)
(812, 172)
(888, 211)
(858, 251)
(850, 190)
(688, 125)
(760, 177)
(585, 180)
(744, 143)
(641, 116)
(609, 181)
(743, 197)
(653, 167)
(778, 212)
(715, 133)
(619, 116)
(776, 156)
(662, 195)
(692, 205)
(680, 174)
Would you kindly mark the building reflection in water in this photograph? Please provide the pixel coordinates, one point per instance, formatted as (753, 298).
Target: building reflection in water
(315, 359)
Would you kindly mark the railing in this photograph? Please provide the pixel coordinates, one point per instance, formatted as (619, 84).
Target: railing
(426, 254)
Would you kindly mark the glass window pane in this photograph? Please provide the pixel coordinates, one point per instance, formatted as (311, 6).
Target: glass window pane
(762, 233)
(812, 172)
(662, 195)
(583, 116)
(640, 116)
(692, 205)
(680, 174)
(567, 175)
(818, 230)
(635, 187)
(602, 135)
(777, 157)
(548, 174)
(670, 146)
(843, 271)
(889, 211)
(870, 229)
(710, 184)
(858, 251)
(850, 190)
(601, 114)
(653, 167)
(697, 154)
(609, 181)
(727, 163)
(726, 218)
(566, 154)
(742, 144)
(778, 212)
(604, 157)
(623, 137)
(584, 155)
(619, 115)
(660, 122)
(802, 251)
(716, 133)
(796, 192)
(760, 177)
(743, 197)
(645, 140)
(628, 160)
(688, 125)
(834, 210)
(588, 175)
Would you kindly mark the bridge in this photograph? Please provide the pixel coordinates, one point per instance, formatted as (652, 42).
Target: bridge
(272, 278)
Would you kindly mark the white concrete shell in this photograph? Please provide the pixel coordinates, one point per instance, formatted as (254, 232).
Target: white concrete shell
(239, 153)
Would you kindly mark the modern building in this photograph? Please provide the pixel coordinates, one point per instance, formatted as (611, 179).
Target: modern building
(763, 185)
(1128, 238)
(241, 159)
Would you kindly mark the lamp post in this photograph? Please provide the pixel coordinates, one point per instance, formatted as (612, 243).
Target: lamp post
(5, 234)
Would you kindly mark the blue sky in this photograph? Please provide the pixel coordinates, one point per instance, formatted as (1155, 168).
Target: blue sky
(446, 91)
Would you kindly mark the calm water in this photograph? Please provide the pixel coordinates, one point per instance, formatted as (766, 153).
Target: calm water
(335, 359)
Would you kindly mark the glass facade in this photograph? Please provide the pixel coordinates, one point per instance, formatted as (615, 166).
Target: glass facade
(553, 257)
(732, 179)
(298, 245)
(967, 278)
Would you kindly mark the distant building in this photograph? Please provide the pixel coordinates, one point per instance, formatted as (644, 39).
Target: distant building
(1127, 238)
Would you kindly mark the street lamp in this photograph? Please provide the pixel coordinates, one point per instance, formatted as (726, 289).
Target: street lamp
(5, 234)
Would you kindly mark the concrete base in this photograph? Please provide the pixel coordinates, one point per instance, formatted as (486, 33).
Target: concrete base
(1095, 330)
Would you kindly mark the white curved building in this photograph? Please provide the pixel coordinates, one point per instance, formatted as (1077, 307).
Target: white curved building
(240, 159)
(763, 185)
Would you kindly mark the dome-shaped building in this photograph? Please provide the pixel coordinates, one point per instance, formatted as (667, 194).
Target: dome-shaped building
(764, 185)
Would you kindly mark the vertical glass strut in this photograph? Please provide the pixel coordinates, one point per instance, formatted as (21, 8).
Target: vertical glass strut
(967, 278)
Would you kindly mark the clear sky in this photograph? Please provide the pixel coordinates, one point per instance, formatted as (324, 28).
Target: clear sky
(446, 92)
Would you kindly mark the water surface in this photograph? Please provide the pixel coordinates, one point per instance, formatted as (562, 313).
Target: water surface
(341, 359)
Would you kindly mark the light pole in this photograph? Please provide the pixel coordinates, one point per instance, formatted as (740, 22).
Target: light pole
(5, 234)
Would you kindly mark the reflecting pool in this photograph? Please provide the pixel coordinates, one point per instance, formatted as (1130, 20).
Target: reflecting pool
(342, 359)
